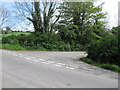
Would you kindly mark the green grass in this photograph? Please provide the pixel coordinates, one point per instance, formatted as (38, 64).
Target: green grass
(17, 33)
(111, 67)
(14, 33)
(18, 47)
(11, 47)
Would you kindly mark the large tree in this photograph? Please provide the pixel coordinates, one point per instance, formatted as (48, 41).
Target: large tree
(41, 14)
(4, 17)
(81, 21)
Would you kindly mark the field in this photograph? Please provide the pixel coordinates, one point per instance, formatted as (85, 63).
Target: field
(13, 33)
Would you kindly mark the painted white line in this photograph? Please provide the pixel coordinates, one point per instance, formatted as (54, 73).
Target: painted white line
(35, 60)
(71, 68)
(51, 62)
(31, 57)
(57, 65)
(27, 58)
(41, 59)
(45, 62)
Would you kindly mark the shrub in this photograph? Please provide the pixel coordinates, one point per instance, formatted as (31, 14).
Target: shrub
(12, 39)
(104, 50)
(42, 41)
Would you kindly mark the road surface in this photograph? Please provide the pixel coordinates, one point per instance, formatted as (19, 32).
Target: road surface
(44, 69)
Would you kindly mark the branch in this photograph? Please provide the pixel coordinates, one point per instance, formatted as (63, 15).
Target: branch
(30, 19)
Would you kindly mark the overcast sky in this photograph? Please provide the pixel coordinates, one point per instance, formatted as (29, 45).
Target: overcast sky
(110, 6)
(119, 13)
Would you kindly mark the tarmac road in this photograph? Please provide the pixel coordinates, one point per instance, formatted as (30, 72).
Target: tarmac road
(45, 69)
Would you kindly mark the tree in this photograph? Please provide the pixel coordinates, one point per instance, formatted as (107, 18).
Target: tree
(8, 28)
(40, 14)
(81, 21)
(115, 30)
(4, 16)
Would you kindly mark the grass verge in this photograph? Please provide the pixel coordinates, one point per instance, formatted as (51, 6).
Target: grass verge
(18, 47)
(11, 47)
(111, 67)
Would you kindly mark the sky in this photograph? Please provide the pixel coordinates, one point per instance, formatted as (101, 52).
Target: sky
(110, 7)
(119, 13)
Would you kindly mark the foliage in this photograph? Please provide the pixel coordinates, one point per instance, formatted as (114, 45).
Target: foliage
(41, 41)
(81, 21)
(105, 50)
(115, 30)
(8, 28)
(12, 39)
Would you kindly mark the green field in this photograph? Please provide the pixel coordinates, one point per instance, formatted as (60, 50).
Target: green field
(13, 33)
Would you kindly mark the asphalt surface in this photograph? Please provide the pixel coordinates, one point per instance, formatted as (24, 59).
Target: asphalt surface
(43, 69)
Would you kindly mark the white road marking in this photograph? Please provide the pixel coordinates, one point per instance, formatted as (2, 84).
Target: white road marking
(57, 65)
(41, 59)
(71, 68)
(35, 60)
(27, 58)
(51, 62)
(44, 61)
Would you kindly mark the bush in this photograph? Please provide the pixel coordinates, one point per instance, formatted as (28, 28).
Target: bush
(42, 41)
(12, 39)
(104, 50)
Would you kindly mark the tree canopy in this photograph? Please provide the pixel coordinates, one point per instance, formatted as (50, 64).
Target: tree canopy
(81, 20)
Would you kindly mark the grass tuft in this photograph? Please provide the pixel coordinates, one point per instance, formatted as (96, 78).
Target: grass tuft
(111, 67)
(11, 47)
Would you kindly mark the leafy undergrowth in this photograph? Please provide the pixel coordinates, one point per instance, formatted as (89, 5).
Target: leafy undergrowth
(111, 67)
